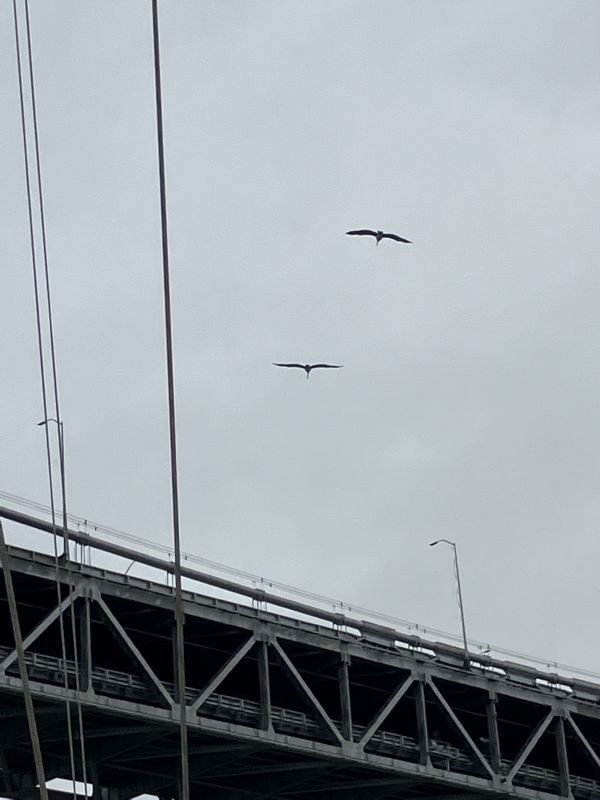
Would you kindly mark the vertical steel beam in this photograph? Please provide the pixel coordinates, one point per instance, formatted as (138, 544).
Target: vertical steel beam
(264, 684)
(174, 659)
(85, 645)
(94, 779)
(563, 760)
(5, 775)
(345, 703)
(493, 736)
(423, 734)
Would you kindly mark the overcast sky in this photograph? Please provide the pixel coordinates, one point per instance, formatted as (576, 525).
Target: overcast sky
(468, 403)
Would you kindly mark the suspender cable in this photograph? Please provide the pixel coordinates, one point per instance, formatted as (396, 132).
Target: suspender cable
(41, 364)
(184, 789)
(43, 376)
(71, 583)
(46, 272)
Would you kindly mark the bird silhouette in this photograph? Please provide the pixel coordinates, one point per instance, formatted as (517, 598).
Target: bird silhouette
(379, 235)
(307, 367)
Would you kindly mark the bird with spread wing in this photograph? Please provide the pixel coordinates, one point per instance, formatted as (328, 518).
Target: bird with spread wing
(379, 235)
(307, 367)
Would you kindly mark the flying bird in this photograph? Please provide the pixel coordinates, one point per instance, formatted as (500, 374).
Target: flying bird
(379, 235)
(307, 367)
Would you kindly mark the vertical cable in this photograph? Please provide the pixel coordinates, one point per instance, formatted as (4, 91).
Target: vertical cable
(40, 340)
(45, 260)
(179, 615)
(71, 609)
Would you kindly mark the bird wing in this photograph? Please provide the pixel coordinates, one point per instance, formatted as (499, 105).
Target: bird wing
(361, 233)
(326, 366)
(288, 365)
(395, 237)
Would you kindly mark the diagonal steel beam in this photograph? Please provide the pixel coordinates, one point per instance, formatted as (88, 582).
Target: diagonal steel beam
(352, 785)
(39, 629)
(218, 762)
(269, 769)
(272, 787)
(99, 737)
(135, 652)
(529, 745)
(365, 793)
(128, 769)
(386, 709)
(222, 673)
(123, 747)
(583, 739)
(32, 726)
(122, 730)
(302, 683)
(462, 729)
(206, 750)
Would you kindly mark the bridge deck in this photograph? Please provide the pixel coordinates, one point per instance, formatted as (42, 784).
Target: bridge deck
(276, 706)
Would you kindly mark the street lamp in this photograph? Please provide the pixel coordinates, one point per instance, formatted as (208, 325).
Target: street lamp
(459, 592)
(61, 459)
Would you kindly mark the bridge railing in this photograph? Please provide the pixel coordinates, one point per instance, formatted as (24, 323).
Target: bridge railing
(148, 559)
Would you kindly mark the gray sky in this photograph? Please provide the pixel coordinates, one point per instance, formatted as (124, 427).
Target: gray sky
(467, 406)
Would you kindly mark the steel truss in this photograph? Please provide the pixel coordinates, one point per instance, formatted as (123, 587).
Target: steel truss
(276, 707)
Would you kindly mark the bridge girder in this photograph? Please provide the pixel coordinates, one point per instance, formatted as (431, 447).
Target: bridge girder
(277, 707)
